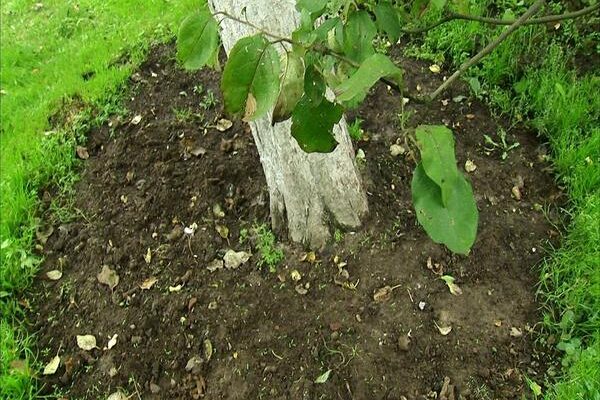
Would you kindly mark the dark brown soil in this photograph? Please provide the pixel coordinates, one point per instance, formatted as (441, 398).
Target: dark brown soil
(142, 185)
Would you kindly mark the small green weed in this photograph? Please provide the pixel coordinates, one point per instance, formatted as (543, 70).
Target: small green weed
(338, 236)
(355, 130)
(501, 144)
(209, 100)
(266, 244)
(183, 114)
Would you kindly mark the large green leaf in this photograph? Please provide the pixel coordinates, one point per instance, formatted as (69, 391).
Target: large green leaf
(250, 83)
(370, 71)
(312, 125)
(359, 33)
(388, 21)
(292, 87)
(454, 223)
(198, 40)
(436, 143)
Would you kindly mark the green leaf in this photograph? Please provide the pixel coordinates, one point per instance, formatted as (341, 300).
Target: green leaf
(314, 85)
(312, 125)
(312, 6)
(359, 33)
(453, 224)
(292, 87)
(436, 144)
(323, 377)
(250, 83)
(370, 71)
(322, 31)
(388, 21)
(197, 40)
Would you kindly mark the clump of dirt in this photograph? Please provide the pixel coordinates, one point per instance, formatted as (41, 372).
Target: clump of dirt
(172, 190)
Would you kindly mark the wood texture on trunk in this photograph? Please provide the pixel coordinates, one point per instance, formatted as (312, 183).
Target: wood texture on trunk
(309, 193)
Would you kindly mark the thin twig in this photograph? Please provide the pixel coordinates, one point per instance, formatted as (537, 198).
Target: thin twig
(495, 21)
(278, 38)
(489, 48)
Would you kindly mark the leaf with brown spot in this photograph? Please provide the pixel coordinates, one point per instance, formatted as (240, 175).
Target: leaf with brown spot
(250, 108)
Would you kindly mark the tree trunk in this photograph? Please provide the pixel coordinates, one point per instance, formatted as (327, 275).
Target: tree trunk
(311, 192)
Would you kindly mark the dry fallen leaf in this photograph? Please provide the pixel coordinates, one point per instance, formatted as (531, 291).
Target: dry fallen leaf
(444, 330)
(117, 396)
(436, 268)
(516, 192)
(470, 116)
(233, 259)
(208, 349)
(177, 288)
(136, 120)
(86, 342)
(193, 363)
(498, 323)
(148, 283)
(224, 124)
(397, 150)
(435, 68)
(54, 275)
(295, 275)
(454, 288)
(112, 342)
(470, 166)
(223, 231)
(108, 277)
(214, 265)
(300, 289)
(198, 151)
(516, 332)
(148, 256)
(82, 152)
(309, 257)
(383, 294)
(52, 366)
(218, 211)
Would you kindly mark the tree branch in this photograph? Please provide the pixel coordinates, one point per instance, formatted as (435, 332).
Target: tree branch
(490, 47)
(495, 21)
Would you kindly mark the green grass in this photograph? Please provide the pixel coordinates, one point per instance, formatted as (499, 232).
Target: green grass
(71, 55)
(530, 78)
(77, 56)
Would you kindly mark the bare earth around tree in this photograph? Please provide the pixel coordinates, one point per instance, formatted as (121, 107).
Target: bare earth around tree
(372, 309)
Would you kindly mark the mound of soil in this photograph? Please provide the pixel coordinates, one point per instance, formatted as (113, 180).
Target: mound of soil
(165, 193)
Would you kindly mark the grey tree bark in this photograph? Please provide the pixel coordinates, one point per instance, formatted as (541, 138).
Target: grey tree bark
(308, 192)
